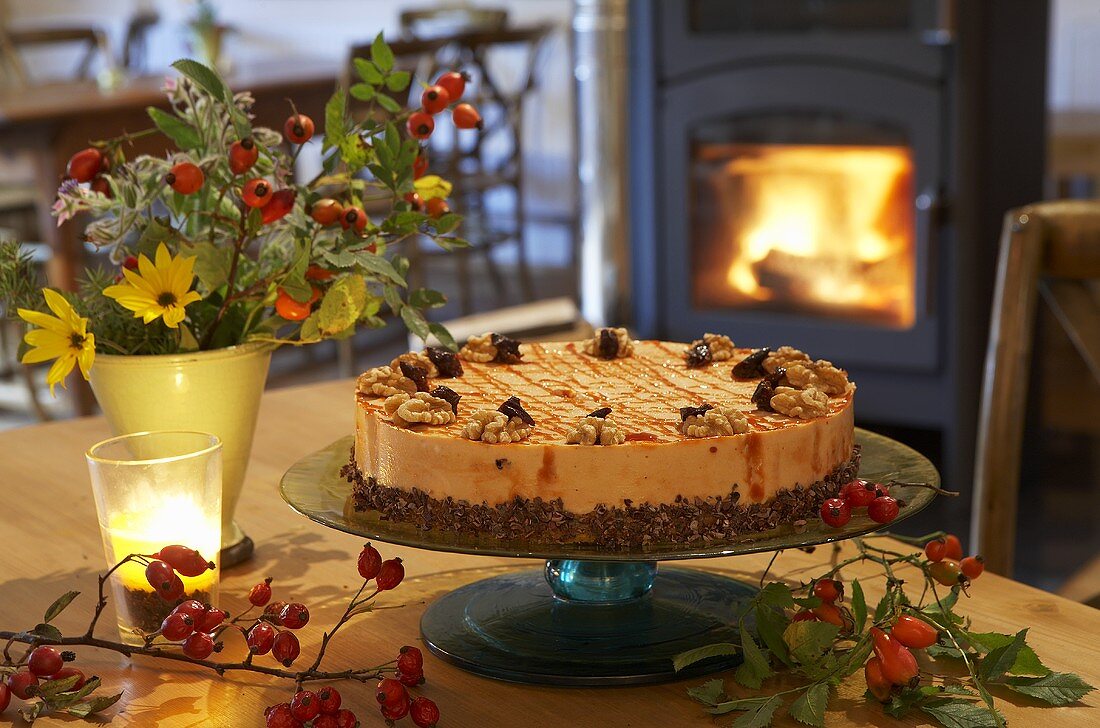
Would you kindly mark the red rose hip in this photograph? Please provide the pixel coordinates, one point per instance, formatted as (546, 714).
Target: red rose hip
(45, 660)
(883, 509)
(836, 512)
(85, 164)
(369, 563)
(424, 712)
(390, 574)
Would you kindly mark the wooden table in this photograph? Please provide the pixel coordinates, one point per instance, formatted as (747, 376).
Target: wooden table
(52, 544)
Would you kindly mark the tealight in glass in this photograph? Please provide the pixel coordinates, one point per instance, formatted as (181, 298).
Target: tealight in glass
(156, 489)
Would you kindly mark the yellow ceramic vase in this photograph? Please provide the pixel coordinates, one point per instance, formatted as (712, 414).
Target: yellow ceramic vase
(215, 391)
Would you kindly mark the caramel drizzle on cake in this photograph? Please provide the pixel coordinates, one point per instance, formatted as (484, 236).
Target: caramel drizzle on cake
(560, 384)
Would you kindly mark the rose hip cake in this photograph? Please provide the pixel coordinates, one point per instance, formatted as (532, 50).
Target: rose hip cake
(609, 441)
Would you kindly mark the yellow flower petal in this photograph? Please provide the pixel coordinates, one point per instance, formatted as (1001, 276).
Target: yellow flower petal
(43, 320)
(155, 281)
(60, 370)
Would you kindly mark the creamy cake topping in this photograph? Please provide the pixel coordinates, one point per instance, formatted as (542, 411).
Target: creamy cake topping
(559, 386)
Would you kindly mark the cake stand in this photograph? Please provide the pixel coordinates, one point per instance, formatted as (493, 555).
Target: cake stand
(591, 616)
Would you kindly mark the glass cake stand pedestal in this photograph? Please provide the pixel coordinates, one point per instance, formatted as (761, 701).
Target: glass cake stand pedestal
(591, 616)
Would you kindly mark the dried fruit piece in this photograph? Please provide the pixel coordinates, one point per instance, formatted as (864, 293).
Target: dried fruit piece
(752, 366)
(610, 343)
(698, 355)
(720, 345)
(686, 412)
(507, 349)
(418, 374)
(512, 407)
(447, 395)
(602, 412)
(446, 361)
(762, 397)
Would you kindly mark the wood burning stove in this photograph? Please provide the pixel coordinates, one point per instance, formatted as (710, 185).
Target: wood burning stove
(830, 175)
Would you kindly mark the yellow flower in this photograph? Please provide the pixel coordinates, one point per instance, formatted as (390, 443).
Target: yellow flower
(155, 290)
(63, 337)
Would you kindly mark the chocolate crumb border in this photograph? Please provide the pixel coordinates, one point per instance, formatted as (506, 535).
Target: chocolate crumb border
(619, 528)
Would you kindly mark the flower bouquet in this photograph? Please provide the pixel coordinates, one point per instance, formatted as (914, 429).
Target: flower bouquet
(218, 254)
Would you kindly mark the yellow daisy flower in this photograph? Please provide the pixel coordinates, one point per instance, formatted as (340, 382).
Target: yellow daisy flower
(63, 337)
(156, 290)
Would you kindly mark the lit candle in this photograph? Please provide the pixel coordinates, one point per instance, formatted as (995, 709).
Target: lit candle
(152, 490)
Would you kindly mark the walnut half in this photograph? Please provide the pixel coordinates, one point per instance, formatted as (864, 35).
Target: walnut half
(596, 431)
(384, 382)
(421, 408)
(715, 422)
(783, 357)
(804, 404)
(820, 374)
(610, 343)
(416, 358)
(493, 426)
(720, 345)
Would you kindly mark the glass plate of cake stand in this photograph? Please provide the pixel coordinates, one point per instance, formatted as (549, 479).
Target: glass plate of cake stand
(591, 616)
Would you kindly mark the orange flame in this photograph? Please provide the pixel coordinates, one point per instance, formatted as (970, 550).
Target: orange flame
(828, 227)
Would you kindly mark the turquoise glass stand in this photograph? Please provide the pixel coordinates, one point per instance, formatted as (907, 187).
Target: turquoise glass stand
(591, 616)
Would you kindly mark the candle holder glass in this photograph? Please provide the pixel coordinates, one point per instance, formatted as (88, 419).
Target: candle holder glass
(154, 489)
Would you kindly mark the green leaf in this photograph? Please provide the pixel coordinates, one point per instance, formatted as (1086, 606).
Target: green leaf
(205, 77)
(883, 608)
(414, 322)
(959, 713)
(755, 669)
(59, 605)
(387, 103)
(368, 71)
(381, 54)
(941, 611)
(311, 329)
(859, 606)
(810, 707)
(432, 186)
(775, 594)
(362, 92)
(342, 305)
(1001, 659)
(398, 81)
(183, 134)
(908, 698)
(761, 716)
(427, 298)
(48, 631)
(690, 657)
(711, 692)
(809, 640)
(1026, 663)
(440, 332)
(335, 126)
(95, 705)
(770, 625)
(212, 263)
(50, 688)
(1056, 688)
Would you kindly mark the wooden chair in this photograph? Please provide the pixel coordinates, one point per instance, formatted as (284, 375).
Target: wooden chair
(1048, 251)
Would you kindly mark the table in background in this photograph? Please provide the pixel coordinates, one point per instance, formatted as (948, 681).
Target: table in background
(52, 544)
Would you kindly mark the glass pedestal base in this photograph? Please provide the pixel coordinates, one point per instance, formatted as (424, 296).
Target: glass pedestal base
(586, 623)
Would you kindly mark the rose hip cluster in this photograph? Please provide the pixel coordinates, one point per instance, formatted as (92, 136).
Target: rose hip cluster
(44, 663)
(320, 709)
(271, 631)
(393, 692)
(947, 565)
(875, 497)
(446, 90)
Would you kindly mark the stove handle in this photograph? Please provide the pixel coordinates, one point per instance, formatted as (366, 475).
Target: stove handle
(929, 206)
(943, 31)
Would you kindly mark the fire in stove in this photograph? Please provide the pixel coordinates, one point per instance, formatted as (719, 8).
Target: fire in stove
(819, 229)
